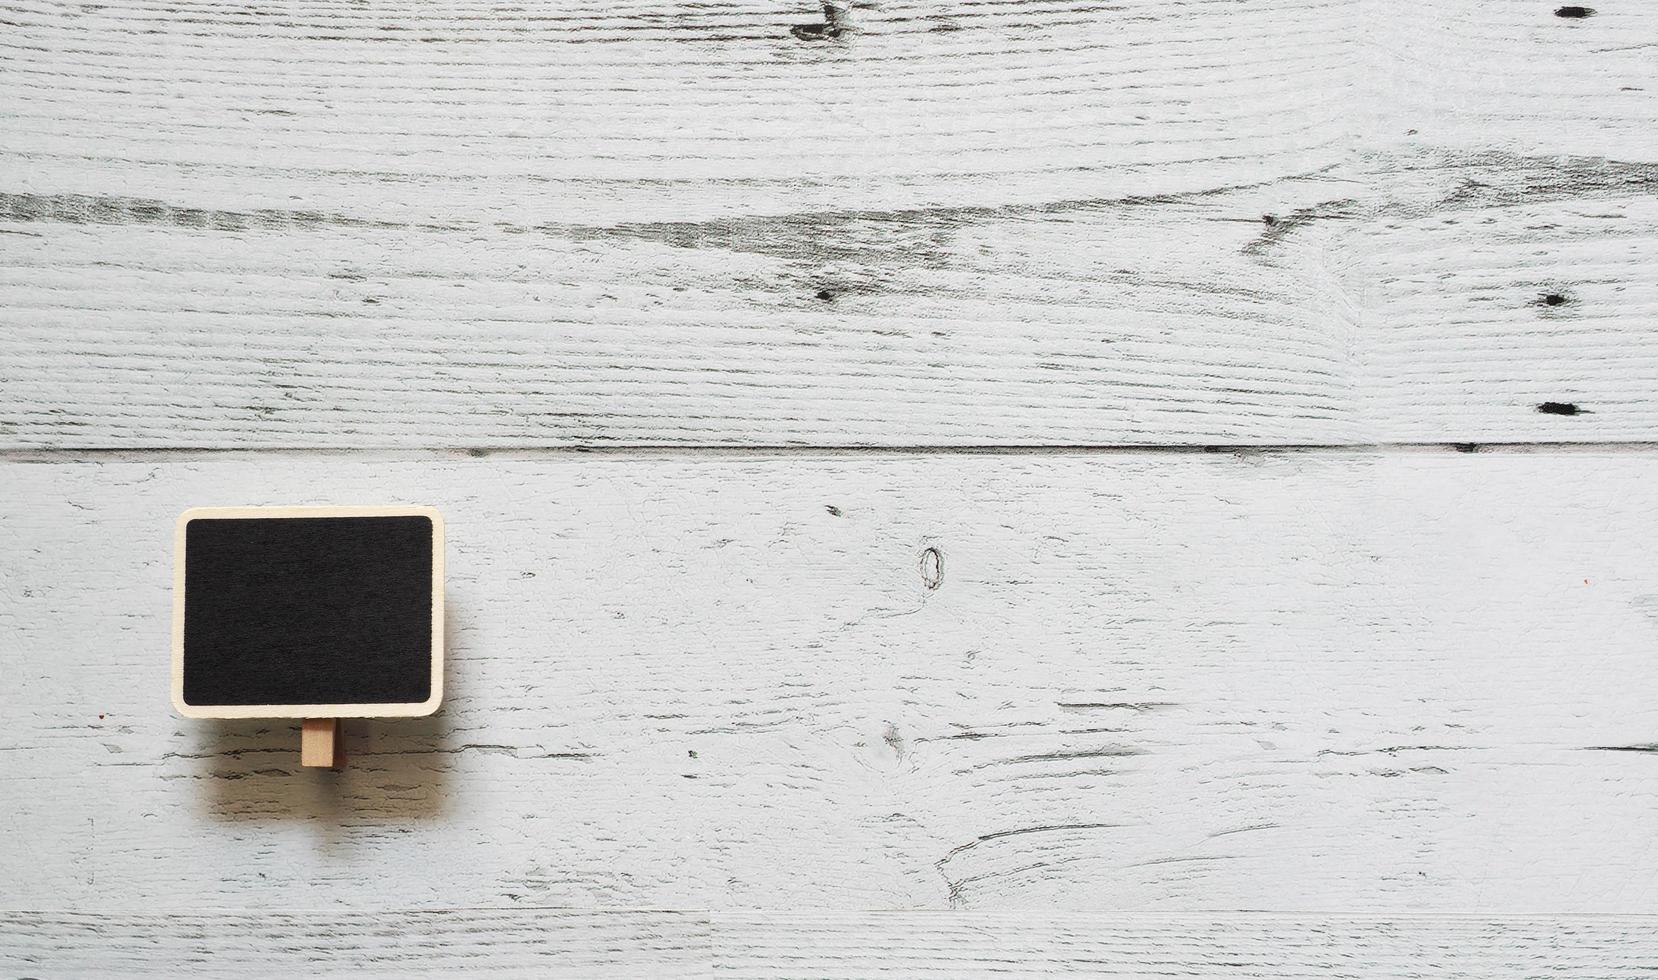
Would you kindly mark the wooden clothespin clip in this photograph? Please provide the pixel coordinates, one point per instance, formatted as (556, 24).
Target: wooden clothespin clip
(321, 744)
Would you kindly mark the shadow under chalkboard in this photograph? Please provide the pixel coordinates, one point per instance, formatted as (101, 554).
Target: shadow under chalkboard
(395, 768)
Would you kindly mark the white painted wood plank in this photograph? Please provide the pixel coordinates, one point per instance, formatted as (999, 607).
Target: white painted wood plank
(1520, 151)
(452, 225)
(1395, 681)
(880, 945)
(1502, 284)
(1515, 76)
(557, 943)
(1021, 224)
(647, 111)
(965, 327)
(829, 946)
(504, 943)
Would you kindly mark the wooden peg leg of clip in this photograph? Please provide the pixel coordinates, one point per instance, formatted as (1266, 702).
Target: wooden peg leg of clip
(320, 743)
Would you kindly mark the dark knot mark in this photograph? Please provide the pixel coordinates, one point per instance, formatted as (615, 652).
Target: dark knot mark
(833, 510)
(1574, 12)
(837, 20)
(826, 295)
(1552, 299)
(1560, 408)
(932, 568)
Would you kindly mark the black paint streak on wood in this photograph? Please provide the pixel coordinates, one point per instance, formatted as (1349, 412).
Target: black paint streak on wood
(1049, 829)
(918, 239)
(1277, 229)
(513, 751)
(86, 209)
(1561, 408)
(1115, 752)
(1392, 750)
(915, 238)
(1104, 705)
(1574, 12)
(1244, 830)
(1196, 858)
(1650, 748)
(1512, 178)
(1415, 770)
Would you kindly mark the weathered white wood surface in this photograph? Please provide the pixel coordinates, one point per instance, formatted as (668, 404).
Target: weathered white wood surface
(1161, 946)
(545, 943)
(329, 224)
(998, 694)
(1385, 682)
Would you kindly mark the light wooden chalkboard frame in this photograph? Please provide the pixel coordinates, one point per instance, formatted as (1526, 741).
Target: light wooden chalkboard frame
(389, 710)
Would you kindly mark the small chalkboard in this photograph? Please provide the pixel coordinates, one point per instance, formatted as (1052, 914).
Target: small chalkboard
(308, 612)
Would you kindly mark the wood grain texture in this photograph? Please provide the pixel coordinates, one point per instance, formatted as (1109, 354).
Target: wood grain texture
(505, 943)
(1525, 283)
(658, 112)
(705, 711)
(872, 946)
(861, 328)
(1388, 682)
(329, 225)
(1515, 76)
(553, 943)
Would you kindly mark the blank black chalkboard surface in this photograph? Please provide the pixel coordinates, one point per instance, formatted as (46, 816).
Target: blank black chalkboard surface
(318, 613)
